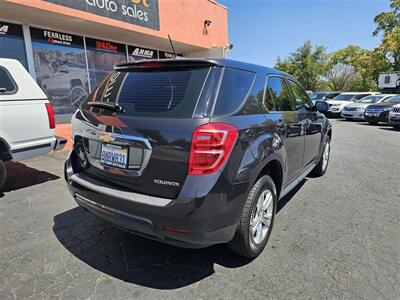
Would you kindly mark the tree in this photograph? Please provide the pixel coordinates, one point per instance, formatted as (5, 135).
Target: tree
(341, 77)
(388, 24)
(306, 64)
(359, 66)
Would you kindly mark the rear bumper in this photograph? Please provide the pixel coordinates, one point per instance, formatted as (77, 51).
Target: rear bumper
(60, 143)
(188, 222)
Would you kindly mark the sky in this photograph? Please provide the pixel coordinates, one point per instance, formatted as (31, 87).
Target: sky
(262, 30)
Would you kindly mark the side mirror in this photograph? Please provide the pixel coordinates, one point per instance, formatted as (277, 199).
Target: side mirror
(321, 106)
(2, 90)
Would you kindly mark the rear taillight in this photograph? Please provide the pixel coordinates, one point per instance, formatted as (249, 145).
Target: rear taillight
(50, 115)
(211, 145)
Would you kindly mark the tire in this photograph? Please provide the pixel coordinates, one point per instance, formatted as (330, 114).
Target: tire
(397, 127)
(245, 243)
(77, 95)
(3, 174)
(373, 123)
(322, 166)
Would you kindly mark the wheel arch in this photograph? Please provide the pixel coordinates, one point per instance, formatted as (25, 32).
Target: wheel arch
(5, 150)
(273, 168)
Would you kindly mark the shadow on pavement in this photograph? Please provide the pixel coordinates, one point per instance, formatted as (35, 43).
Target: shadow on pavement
(20, 176)
(285, 200)
(135, 259)
(389, 129)
(138, 260)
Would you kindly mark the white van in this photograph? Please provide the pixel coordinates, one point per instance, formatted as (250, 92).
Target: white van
(27, 121)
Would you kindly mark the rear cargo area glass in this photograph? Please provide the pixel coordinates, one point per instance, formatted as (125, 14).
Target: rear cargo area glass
(169, 93)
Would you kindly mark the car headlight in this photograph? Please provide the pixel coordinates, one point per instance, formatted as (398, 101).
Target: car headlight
(360, 108)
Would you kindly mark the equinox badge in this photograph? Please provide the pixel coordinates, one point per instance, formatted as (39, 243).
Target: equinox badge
(166, 182)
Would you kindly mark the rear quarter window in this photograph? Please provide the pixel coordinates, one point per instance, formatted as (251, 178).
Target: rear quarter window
(7, 84)
(152, 93)
(233, 90)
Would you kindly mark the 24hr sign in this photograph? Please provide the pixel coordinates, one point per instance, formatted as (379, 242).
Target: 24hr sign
(139, 12)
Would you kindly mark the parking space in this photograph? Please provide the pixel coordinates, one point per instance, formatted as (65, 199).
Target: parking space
(335, 236)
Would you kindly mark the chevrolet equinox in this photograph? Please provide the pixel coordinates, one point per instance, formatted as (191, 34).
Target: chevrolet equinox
(195, 152)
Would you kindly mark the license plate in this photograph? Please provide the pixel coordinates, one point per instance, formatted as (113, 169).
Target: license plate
(114, 155)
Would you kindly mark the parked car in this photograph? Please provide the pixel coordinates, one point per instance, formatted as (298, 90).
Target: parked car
(337, 103)
(27, 119)
(376, 113)
(323, 96)
(356, 110)
(394, 116)
(194, 152)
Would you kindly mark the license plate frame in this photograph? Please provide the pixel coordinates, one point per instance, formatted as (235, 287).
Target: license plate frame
(114, 156)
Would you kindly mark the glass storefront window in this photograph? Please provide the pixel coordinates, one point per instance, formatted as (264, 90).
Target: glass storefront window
(60, 65)
(102, 56)
(136, 53)
(167, 55)
(12, 42)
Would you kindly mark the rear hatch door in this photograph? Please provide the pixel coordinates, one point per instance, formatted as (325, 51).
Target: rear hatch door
(144, 144)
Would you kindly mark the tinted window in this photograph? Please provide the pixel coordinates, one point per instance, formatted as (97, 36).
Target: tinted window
(318, 96)
(234, 88)
(371, 99)
(301, 99)
(358, 97)
(395, 99)
(344, 97)
(278, 92)
(331, 96)
(6, 83)
(152, 93)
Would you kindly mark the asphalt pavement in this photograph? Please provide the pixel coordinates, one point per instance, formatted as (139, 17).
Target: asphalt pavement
(335, 237)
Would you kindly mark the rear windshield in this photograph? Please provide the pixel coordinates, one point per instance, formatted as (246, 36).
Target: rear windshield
(344, 97)
(318, 96)
(370, 99)
(395, 99)
(151, 93)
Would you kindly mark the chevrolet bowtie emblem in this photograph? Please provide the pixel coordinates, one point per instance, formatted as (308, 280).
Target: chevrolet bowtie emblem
(107, 138)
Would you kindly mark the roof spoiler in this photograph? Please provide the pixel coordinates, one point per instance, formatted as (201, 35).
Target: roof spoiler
(165, 63)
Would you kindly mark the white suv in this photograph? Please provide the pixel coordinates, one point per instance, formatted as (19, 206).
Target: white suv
(27, 121)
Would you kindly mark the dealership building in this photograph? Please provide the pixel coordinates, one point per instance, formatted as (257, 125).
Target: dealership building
(69, 46)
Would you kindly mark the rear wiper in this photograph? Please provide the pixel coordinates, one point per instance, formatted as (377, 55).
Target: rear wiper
(114, 107)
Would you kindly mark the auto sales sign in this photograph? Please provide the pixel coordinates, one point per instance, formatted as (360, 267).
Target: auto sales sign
(139, 12)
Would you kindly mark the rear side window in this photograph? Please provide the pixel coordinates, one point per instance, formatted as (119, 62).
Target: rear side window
(7, 85)
(234, 88)
(300, 96)
(152, 93)
(278, 93)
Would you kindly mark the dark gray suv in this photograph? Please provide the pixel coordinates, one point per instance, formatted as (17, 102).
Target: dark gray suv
(195, 152)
